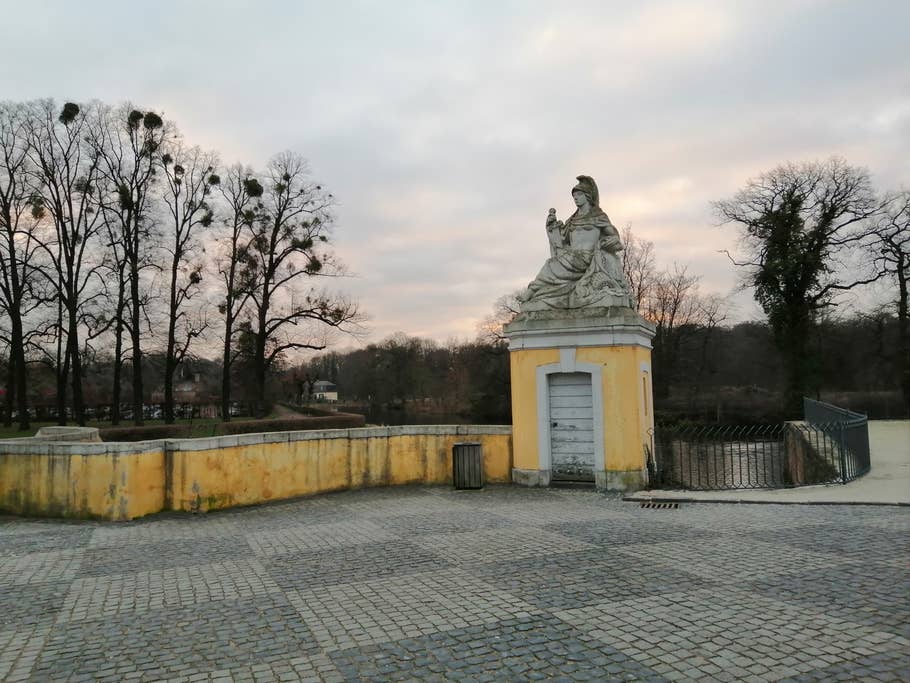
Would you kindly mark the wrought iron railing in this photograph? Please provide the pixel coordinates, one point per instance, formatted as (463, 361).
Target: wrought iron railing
(847, 430)
(713, 457)
(818, 450)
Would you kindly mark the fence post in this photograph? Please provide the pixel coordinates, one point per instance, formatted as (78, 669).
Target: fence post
(843, 455)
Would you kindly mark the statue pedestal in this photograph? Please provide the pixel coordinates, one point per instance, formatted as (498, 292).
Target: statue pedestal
(582, 406)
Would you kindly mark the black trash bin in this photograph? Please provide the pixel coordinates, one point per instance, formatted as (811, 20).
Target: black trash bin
(467, 465)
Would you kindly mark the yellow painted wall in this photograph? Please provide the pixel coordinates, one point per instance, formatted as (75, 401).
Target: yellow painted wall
(625, 423)
(244, 475)
(524, 364)
(628, 414)
(114, 486)
(125, 481)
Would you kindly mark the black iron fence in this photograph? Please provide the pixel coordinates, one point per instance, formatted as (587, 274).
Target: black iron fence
(846, 431)
(829, 446)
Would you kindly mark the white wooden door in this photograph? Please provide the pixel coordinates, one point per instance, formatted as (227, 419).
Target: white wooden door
(571, 411)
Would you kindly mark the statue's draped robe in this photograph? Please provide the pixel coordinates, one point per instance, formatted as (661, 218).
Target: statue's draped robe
(579, 275)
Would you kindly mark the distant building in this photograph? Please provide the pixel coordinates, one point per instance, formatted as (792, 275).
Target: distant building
(193, 395)
(325, 391)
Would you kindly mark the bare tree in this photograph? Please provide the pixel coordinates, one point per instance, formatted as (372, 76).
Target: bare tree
(65, 172)
(639, 267)
(116, 285)
(242, 194)
(506, 307)
(800, 224)
(286, 248)
(189, 179)
(889, 245)
(674, 306)
(19, 217)
(127, 143)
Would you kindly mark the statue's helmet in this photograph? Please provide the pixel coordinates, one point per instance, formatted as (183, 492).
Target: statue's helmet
(588, 187)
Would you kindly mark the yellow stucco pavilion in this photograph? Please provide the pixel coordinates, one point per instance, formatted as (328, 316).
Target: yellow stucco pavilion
(582, 407)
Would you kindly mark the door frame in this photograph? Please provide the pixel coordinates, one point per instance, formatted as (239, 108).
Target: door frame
(567, 363)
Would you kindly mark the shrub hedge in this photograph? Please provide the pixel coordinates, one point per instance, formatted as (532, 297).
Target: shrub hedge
(184, 431)
(146, 432)
(292, 424)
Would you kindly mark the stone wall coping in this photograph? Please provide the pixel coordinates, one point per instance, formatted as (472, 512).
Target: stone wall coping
(68, 433)
(31, 446)
(215, 442)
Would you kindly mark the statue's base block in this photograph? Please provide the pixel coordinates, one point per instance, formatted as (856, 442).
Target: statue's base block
(581, 397)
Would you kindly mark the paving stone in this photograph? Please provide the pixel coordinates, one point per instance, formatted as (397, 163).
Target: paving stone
(629, 531)
(733, 559)
(24, 606)
(262, 629)
(424, 583)
(490, 545)
(835, 592)
(575, 579)
(41, 568)
(384, 610)
(871, 545)
(443, 521)
(102, 596)
(124, 559)
(302, 538)
(349, 564)
(41, 538)
(684, 618)
(443, 650)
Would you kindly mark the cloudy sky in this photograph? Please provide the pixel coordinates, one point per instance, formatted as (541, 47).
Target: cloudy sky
(447, 129)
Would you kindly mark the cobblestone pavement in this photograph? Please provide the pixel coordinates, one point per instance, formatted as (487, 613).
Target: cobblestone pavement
(433, 584)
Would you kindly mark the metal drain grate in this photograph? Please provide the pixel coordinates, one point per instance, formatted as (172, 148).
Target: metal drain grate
(660, 506)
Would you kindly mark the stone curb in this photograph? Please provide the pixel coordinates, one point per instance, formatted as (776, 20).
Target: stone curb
(742, 501)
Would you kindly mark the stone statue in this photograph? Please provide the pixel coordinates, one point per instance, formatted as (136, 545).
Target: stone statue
(584, 269)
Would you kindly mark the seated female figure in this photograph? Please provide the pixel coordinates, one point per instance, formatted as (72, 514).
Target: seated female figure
(584, 269)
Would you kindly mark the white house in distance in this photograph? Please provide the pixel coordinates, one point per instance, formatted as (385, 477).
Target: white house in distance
(324, 390)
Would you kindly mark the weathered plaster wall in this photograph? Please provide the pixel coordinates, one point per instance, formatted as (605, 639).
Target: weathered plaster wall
(627, 403)
(119, 481)
(87, 481)
(524, 366)
(209, 475)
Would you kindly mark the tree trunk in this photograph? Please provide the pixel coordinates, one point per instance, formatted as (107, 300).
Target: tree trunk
(259, 371)
(17, 370)
(796, 366)
(226, 365)
(169, 367)
(903, 331)
(135, 316)
(62, 368)
(118, 359)
(17, 384)
(259, 360)
(76, 368)
(170, 362)
(10, 397)
(229, 317)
